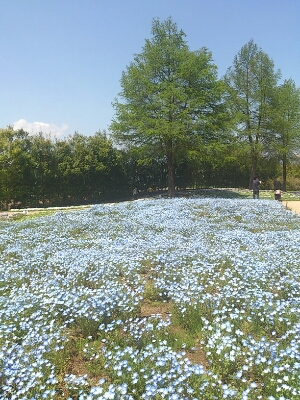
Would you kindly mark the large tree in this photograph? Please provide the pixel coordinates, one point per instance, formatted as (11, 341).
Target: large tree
(250, 82)
(285, 124)
(171, 97)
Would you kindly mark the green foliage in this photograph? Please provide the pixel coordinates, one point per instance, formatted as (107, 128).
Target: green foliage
(152, 293)
(166, 90)
(61, 357)
(87, 326)
(286, 124)
(250, 84)
(37, 171)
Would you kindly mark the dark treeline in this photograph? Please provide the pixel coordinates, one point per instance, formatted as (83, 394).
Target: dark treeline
(37, 171)
(176, 126)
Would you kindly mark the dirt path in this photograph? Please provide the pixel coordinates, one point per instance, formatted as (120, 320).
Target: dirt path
(292, 205)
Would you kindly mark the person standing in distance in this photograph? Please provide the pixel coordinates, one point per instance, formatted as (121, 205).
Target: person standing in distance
(135, 193)
(255, 187)
(277, 190)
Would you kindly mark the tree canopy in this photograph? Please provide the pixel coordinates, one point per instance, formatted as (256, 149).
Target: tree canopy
(285, 124)
(171, 97)
(250, 84)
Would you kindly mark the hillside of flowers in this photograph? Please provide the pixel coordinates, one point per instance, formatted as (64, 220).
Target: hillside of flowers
(185, 298)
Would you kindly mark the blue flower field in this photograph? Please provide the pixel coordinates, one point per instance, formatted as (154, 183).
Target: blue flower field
(185, 298)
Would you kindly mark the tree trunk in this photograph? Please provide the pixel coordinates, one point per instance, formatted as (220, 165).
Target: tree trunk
(254, 162)
(252, 172)
(284, 164)
(171, 180)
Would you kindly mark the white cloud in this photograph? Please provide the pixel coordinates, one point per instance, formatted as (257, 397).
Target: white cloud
(36, 127)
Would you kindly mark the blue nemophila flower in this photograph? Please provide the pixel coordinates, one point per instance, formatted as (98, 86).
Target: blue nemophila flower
(216, 261)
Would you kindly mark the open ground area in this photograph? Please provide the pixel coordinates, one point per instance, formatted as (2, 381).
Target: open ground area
(293, 205)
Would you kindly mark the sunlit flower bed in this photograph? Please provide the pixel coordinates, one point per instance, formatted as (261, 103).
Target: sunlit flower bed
(72, 285)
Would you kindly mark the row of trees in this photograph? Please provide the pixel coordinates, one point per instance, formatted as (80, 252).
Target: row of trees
(176, 125)
(172, 104)
(36, 170)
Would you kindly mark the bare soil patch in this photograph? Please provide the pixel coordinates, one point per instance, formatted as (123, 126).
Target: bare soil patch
(292, 205)
(148, 309)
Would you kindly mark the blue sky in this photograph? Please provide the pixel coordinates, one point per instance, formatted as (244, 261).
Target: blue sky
(62, 60)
